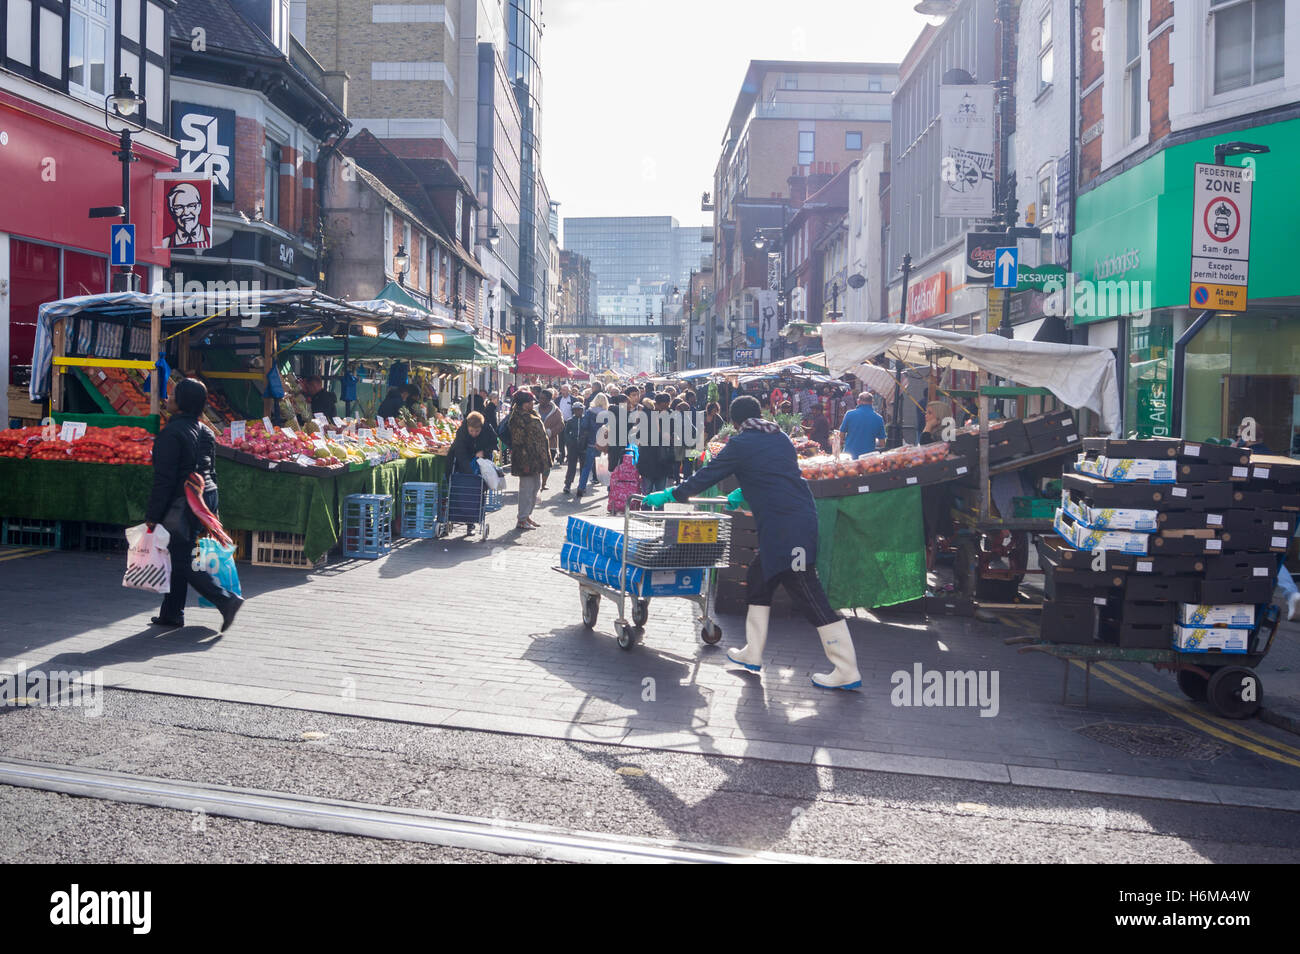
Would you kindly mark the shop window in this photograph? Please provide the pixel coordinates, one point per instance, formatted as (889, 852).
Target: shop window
(89, 54)
(33, 280)
(1248, 42)
(271, 182)
(84, 274)
(1045, 51)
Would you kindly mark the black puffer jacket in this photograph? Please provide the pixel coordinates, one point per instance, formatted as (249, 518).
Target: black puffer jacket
(185, 446)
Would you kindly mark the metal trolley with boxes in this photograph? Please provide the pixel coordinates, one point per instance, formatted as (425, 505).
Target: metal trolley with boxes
(645, 555)
(1167, 552)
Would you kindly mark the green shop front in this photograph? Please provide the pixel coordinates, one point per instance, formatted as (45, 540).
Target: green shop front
(1132, 290)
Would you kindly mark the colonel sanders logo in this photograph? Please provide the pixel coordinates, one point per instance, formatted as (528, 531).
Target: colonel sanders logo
(191, 215)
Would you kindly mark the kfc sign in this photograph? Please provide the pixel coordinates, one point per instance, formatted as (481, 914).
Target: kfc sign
(927, 298)
(206, 138)
(187, 211)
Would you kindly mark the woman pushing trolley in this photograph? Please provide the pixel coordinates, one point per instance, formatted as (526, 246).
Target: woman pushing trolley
(763, 461)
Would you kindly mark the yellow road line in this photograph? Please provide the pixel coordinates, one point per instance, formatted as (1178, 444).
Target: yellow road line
(1188, 707)
(1195, 722)
(19, 554)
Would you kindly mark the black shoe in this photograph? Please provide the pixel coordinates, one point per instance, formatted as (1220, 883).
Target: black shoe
(159, 621)
(229, 610)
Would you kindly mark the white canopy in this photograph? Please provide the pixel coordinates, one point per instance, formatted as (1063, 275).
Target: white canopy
(1080, 376)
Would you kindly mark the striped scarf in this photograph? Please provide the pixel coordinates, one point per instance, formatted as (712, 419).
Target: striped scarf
(761, 424)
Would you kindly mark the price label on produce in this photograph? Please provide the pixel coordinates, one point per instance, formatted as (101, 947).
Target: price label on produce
(302, 460)
(365, 433)
(238, 430)
(384, 434)
(392, 423)
(697, 531)
(318, 444)
(268, 426)
(373, 459)
(419, 439)
(338, 422)
(320, 418)
(72, 430)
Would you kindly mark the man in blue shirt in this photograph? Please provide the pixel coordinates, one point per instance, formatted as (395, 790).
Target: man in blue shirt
(862, 428)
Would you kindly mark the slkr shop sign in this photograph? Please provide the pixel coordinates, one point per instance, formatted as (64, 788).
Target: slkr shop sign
(206, 145)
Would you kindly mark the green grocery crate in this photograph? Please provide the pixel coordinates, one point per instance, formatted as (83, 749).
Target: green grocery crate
(26, 532)
(1034, 508)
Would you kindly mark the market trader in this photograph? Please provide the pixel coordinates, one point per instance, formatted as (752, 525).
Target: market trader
(863, 429)
(763, 460)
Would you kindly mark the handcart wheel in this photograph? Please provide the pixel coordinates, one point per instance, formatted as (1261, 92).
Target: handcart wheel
(626, 636)
(640, 612)
(1235, 692)
(590, 608)
(711, 633)
(1193, 684)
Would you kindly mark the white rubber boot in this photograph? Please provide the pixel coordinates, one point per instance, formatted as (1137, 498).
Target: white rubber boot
(751, 655)
(839, 650)
(1293, 606)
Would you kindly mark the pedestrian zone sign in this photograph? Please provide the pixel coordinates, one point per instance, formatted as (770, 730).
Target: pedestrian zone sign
(1220, 237)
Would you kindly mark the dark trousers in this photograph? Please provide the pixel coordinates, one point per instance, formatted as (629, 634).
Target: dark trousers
(574, 462)
(181, 547)
(804, 587)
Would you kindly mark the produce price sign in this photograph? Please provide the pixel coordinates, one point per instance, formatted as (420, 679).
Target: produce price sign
(267, 426)
(288, 432)
(72, 430)
(365, 433)
(338, 422)
(238, 430)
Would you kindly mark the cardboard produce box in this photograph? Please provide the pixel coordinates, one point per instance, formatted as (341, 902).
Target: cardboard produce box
(1199, 639)
(1242, 567)
(1128, 468)
(1153, 448)
(1147, 612)
(1144, 635)
(1082, 538)
(1274, 469)
(1270, 500)
(1055, 552)
(1106, 493)
(1195, 452)
(1221, 614)
(1169, 589)
(1073, 623)
(1108, 518)
(1254, 591)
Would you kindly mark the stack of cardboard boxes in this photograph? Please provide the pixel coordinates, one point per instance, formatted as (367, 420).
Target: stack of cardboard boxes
(1166, 543)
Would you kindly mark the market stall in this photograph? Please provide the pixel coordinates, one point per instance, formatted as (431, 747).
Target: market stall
(870, 516)
(280, 479)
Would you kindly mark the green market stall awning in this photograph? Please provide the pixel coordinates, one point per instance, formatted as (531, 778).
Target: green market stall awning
(454, 346)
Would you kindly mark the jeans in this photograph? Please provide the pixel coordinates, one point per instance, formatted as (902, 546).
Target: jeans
(1285, 582)
(572, 468)
(588, 468)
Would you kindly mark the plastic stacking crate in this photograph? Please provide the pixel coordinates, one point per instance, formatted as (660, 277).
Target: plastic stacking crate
(367, 525)
(273, 548)
(39, 534)
(492, 501)
(419, 511)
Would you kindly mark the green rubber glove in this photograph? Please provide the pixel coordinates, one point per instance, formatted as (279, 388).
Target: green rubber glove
(736, 500)
(659, 498)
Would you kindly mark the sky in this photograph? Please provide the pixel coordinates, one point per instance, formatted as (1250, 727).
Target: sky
(637, 93)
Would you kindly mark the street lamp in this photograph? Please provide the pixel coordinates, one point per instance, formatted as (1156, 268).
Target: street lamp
(936, 11)
(402, 262)
(128, 112)
(494, 236)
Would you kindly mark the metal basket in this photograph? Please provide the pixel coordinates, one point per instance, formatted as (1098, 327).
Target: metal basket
(677, 540)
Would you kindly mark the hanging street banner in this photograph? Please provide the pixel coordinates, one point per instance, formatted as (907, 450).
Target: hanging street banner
(1220, 237)
(966, 162)
(206, 145)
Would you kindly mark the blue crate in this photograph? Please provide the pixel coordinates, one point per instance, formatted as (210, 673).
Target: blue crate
(27, 532)
(492, 501)
(420, 510)
(367, 525)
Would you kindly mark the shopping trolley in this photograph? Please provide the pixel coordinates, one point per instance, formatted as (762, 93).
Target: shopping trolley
(653, 542)
(465, 500)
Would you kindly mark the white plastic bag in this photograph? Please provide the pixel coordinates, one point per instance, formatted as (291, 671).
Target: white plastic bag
(491, 475)
(602, 469)
(148, 561)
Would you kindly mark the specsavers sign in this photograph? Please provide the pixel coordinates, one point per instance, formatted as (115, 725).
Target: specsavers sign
(1221, 237)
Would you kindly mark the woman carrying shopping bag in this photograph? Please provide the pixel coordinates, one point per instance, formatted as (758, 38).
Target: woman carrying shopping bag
(474, 441)
(184, 502)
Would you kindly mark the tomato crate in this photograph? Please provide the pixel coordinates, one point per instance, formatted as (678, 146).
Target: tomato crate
(41, 534)
(273, 548)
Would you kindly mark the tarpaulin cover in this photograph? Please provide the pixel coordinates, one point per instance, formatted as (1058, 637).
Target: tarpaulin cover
(1080, 376)
(871, 548)
(535, 360)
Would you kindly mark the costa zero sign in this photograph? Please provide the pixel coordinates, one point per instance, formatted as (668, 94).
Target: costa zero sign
(927, 298)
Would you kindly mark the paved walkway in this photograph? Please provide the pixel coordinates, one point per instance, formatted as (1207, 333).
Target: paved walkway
(488, 636)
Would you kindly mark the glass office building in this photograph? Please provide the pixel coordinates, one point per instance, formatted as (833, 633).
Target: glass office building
(651, 251)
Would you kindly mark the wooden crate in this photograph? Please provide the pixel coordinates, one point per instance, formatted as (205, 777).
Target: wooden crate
(21, 407)
(272, 548)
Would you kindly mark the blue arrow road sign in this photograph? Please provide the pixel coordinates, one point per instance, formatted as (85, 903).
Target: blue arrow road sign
(1006, 262)
(122, 242)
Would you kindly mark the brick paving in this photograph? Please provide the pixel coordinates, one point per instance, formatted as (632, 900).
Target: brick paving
(488, 636)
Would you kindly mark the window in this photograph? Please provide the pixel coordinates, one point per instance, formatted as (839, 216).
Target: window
(806, 148)
(271, 182)
(1133, 97)
(792, 82)
(853, 141)
(1045, 51)
(1046, 188)
(873, 86)
(1248, 42)
(88, 51)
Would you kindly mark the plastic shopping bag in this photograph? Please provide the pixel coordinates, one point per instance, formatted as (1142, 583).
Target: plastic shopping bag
(148, 562)
(602, 469)
(218, 561)
(491, 475)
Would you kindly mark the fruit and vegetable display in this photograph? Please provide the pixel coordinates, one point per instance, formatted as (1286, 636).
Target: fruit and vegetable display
(104, 445)
(317, 448)
(908, 457)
